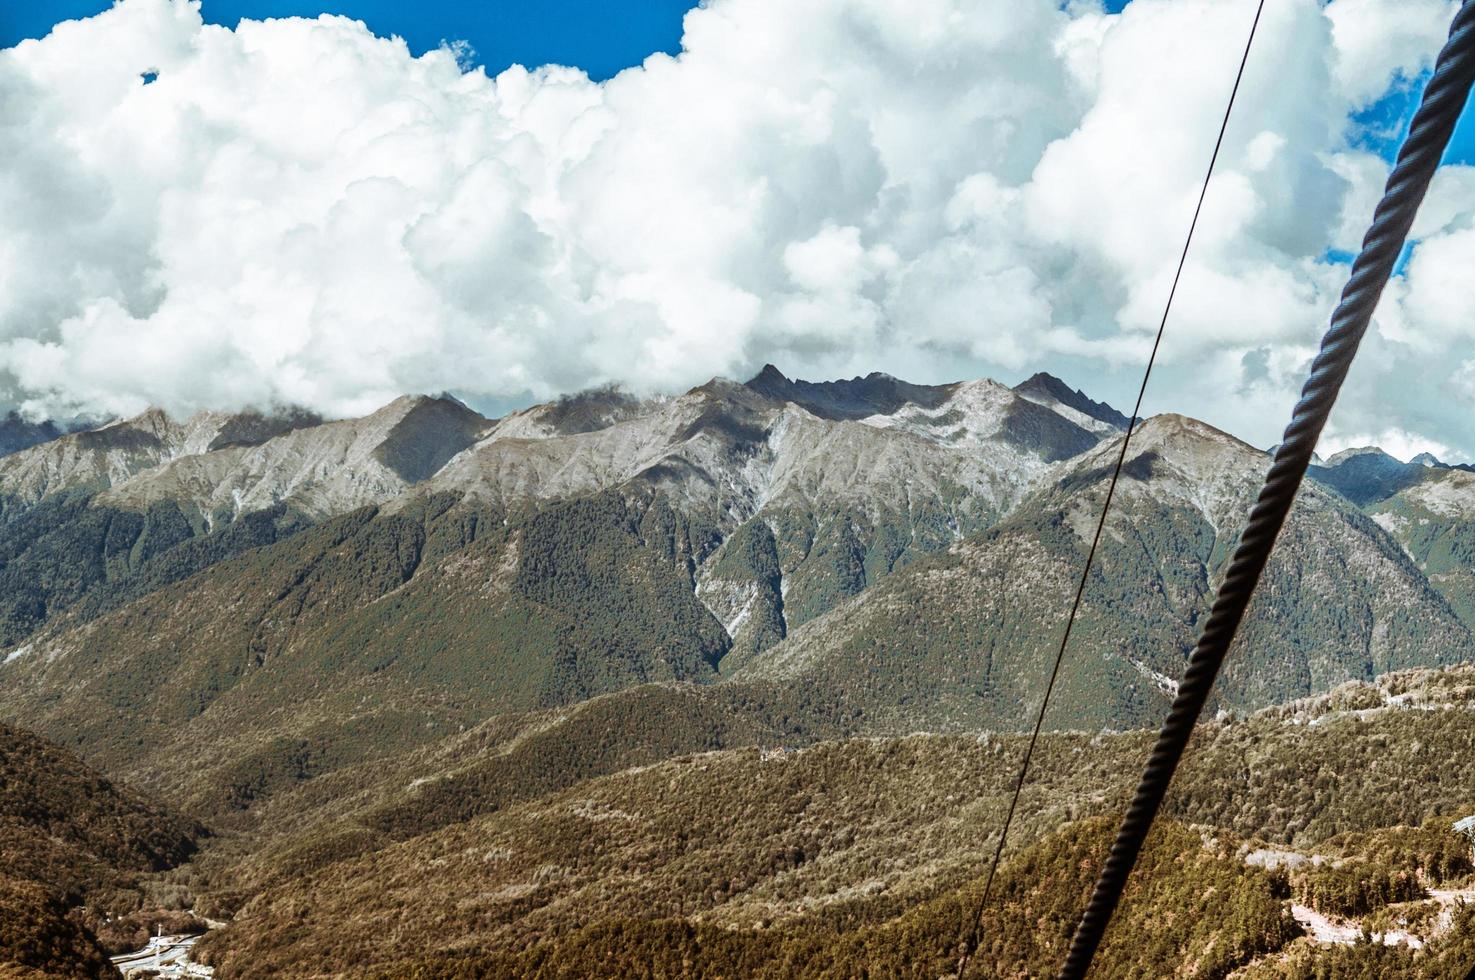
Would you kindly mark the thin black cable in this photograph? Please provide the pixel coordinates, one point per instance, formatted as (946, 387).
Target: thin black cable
(1443, 100)
(972, 944)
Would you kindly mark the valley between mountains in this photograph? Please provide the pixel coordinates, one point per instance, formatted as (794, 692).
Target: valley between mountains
(724, 683)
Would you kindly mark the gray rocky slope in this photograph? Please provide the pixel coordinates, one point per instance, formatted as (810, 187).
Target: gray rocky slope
(902, 555)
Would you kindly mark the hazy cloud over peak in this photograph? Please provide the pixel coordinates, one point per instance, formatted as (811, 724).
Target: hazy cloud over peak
(300, 212)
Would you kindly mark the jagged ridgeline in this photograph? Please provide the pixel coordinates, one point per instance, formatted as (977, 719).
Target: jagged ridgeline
(287, 596)
(562, 656)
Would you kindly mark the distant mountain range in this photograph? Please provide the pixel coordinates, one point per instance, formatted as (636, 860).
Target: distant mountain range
(902, 554)
(269, 620)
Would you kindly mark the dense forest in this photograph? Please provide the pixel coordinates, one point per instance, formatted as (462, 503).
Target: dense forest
(814, 859)
(721, 685)
(79, 858)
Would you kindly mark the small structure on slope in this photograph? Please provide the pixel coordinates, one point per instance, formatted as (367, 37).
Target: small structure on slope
(1466, 827)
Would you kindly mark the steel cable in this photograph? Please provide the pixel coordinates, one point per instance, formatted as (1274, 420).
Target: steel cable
(970, 946)
(1443, 100)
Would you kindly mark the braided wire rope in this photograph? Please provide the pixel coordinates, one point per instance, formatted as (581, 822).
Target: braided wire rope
(970, 945)
(1439, 109)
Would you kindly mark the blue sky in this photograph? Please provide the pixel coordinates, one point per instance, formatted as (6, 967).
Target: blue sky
(599, 36)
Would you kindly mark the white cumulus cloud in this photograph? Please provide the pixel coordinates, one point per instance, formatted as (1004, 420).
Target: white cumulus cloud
(298, 211)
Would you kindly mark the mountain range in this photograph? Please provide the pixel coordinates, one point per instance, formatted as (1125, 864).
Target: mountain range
(276, 623)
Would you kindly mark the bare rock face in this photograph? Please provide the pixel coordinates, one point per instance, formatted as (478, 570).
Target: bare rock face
(1368, 475)
(903, 553)
(224, 466)
(95, 459)
(741, 448)
(960, 638)
(857, 398)
(1074, 404)
(875, 443)
(585, 411)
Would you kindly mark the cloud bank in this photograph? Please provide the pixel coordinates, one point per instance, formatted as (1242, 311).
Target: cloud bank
(297, 211)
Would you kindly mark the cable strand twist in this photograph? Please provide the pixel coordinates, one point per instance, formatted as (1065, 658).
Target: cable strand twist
(1439, 109)
(970, 944)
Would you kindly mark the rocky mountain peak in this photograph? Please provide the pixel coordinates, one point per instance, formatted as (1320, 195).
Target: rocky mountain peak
(1050, 391)
(207, 431)
(1355, 452)
(1366, 474)
(94, 458)
(250, 462)
(584, 411)
(401, 406)
(426, 432)
(1171, 458)
(770, 375)
(1196, 446)
(152, 426)
(1171, 428)
(855, 398)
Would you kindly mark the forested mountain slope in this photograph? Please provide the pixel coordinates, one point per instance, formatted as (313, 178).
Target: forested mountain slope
(352, 590)
(97, 518)
(111, 514)
(848, 850)
(551, 657)
(69, 838)
(596, 543)
(966, 637)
